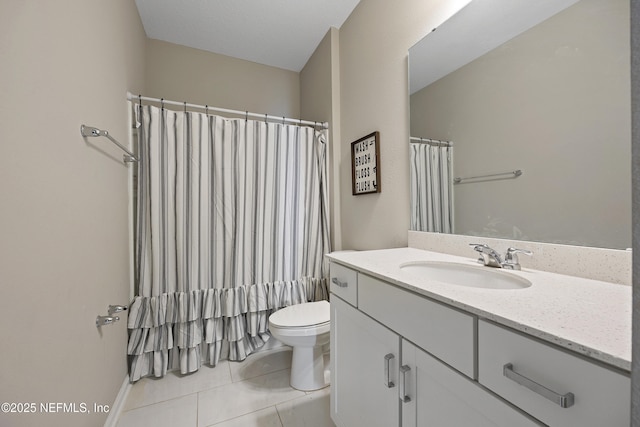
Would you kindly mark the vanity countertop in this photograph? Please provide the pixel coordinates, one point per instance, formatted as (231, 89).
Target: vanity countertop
(589, 317)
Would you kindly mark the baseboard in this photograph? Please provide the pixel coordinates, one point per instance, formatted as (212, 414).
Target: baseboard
(118, 404)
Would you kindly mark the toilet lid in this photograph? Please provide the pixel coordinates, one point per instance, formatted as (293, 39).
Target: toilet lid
(306, 314)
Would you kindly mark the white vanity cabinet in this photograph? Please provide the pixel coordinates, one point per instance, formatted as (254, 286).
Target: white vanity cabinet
(372, 380)
(364, 369)
(399, 358)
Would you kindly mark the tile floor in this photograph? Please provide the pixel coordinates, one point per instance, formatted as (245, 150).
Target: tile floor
(255, 392)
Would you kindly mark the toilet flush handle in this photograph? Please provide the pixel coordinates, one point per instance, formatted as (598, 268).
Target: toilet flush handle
(339, 283)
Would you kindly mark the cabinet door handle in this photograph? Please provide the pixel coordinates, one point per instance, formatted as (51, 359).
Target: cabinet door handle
(564, 400)
(403, 384)
(387, 362)
(339, 283)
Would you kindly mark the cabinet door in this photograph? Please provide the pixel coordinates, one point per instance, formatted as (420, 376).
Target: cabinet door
(363, 353)
(439, 396)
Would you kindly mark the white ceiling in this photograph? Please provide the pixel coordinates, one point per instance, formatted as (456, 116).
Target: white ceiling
(476, 29)
(280, 33)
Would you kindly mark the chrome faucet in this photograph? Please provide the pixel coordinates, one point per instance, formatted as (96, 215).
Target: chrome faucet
(488, 256)
(491, 258)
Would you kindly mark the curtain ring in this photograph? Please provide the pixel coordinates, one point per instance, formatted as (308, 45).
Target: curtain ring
(282, 120)
(185, 107)
(162, 103)
(246, 116)
(206, 110)
(265, 117)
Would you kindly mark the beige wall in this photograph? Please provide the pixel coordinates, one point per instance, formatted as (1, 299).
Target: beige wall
(63, 214)
(374, 42)
(320, 100)
(555, 103)
(180, 73)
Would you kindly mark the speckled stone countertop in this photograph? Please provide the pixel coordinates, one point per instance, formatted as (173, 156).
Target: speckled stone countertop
(589, 317)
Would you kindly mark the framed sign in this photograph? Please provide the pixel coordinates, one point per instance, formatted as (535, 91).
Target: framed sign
(365, 167)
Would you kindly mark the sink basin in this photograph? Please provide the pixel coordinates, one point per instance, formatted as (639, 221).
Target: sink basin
(465, 275)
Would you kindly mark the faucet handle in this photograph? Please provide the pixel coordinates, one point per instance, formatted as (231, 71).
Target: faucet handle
(511, 260)
(511, 252)
(479, 247)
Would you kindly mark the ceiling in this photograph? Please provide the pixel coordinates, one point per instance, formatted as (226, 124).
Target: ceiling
(476, 29)
(279, 33)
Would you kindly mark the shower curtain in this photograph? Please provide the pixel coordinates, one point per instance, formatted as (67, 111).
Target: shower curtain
(231, 224)
(431, 188)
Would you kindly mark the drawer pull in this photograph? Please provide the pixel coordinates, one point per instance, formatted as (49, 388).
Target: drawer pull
(403, 384)
(339, 283)
(564, 400)
(387, 361)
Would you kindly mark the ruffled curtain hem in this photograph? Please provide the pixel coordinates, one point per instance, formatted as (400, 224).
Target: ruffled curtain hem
(183, 330)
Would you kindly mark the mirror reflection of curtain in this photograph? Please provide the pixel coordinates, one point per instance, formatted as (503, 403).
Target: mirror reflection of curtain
(431, 187)
(231, 225)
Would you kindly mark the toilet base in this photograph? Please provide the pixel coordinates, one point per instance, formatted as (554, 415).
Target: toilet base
(307, 368)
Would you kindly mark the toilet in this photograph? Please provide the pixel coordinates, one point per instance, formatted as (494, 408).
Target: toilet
(305, 327)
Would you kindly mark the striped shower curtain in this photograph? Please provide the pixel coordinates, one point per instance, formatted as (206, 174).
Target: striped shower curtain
(231, 224)
(431, 191)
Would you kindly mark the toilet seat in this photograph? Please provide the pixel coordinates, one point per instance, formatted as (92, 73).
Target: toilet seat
(310, 315)
(301, 331)
(310, 318)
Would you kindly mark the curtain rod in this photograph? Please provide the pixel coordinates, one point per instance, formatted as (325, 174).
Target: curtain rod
(430, 141)
(246, 114)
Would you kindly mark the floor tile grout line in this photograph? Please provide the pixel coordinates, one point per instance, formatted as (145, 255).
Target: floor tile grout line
(279, 416)
(262, 354)
(161, 401)
(230, 376)
(197, 409)
(263, 407)
(180, 395)
(197, 392)
(231, 379)
(258, 376)
(244, 415)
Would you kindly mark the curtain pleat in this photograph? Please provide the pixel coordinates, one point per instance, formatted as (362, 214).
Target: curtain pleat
(431, 188)
(231, 226)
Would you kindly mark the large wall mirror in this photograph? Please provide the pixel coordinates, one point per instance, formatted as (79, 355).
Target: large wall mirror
(521, 123)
